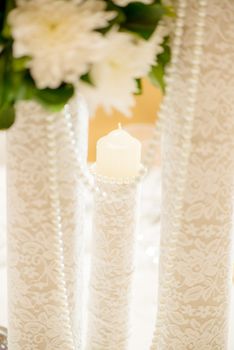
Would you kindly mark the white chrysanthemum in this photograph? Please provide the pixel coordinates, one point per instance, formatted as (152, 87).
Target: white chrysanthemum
(125, 58)
(59, 37)
(126, 2)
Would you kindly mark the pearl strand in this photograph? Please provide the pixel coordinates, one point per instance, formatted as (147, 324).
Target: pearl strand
(170, 79)
(189, 114)
(187, 134)
(57, 222)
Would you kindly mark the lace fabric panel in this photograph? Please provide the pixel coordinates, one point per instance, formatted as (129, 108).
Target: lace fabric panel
(113, 247)
(195, 269)
(36, 310)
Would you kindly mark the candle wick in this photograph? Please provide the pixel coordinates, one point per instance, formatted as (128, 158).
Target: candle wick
(119, 126)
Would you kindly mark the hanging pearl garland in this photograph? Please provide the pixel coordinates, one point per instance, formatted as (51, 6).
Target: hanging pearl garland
(187, 134)
(188, 116)
(57, 221)
(170, 84)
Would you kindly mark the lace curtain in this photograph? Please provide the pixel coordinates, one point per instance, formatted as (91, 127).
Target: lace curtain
(195, 269)
(36, 314)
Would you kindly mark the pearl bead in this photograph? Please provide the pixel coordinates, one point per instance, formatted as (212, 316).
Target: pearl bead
(69, 124)
(182, 5)
(179, 32)
(180, 14)
(200, 23)
(190, 109)
(180, 22)
(195, 71)
(168, 80)
(51, 162)
(51, 136)
(176, 52)
(188, 128)
(50, 128)
(51, 143)
(171, 70)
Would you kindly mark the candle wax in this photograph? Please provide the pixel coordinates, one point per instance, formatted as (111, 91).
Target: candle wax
(118, 155)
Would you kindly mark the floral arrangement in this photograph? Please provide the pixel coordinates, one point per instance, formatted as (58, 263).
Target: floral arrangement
(103, 48)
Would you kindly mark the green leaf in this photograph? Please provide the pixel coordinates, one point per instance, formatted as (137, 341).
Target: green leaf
(2, 13)
(20, 64)
(120, 16)
(6, 30)
(54, 99)
(156, 76)
(87, 79)
(143, 19)
(11, 82)
(5, 79)
(170, 11)
(7, 116)
(139, 87)
(165, 57)
(23, 86)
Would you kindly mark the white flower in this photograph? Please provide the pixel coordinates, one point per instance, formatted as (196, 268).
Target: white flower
(59, 37)
(125, 58)
(126, 2)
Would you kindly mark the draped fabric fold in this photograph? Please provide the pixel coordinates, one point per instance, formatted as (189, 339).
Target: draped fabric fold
(195, 269)
(36, 306)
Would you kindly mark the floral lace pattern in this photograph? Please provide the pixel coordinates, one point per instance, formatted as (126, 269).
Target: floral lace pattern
(36, 310)
(195, 272)
(113, 244)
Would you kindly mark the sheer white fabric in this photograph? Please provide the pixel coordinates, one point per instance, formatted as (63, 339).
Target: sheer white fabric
(36, 310)
(195, 274)
(113, 248)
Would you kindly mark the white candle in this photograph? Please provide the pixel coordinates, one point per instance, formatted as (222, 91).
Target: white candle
(118, 155)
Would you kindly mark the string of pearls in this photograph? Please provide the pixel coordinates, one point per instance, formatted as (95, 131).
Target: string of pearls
(170, 79)
(166, 108)
(189, 113)
(57, 222)
(186, 143)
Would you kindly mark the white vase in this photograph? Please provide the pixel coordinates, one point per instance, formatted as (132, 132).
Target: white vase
(36, 310)
(195, 266)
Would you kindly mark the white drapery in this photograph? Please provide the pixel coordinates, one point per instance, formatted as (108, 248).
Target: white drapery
(36, 311)
(195, 268)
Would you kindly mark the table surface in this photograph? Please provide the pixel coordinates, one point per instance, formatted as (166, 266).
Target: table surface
(145, 283)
